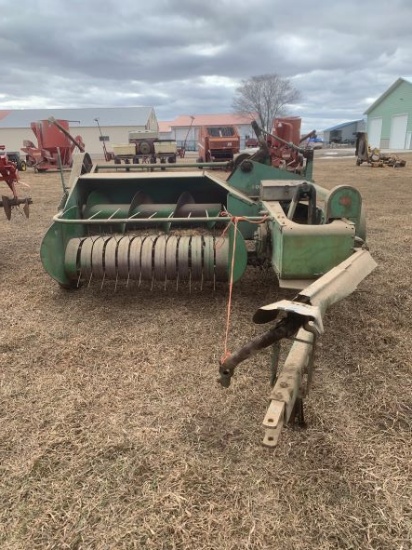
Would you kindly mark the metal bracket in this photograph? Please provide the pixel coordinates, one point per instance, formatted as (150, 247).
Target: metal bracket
(267, 313)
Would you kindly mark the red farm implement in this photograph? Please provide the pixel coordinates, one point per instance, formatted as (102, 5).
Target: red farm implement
(55, 145)
(10, 175)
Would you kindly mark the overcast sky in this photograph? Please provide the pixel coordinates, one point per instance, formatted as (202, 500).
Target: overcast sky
(188, 56)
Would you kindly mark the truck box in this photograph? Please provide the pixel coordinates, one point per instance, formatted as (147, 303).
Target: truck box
(165, 147)
(142, 134)
(124, 149)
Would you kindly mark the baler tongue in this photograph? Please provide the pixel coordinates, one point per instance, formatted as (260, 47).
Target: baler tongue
(301, 320)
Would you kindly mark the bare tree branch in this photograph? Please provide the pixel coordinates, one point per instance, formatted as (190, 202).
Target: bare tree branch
(266, 96)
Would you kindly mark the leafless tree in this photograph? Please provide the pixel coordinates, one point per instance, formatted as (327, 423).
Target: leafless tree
(265, 96)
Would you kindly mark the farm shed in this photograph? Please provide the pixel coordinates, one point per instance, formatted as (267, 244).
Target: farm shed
(344, 132)
(390, 117)
(115, 123)
(186, 127)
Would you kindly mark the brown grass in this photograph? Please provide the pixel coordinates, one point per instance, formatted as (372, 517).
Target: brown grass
(115, 434)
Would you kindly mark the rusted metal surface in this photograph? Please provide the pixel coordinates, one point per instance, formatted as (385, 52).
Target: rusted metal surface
(10, 175)
(302, 320)
(55, 145)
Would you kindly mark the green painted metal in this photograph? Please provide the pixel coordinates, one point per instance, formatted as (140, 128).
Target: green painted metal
(53, 247)
(397, 100)
(308, 251)
(249, 181)
(345, 202)
(239, 207)
(240, 254)
(144, 166)
(124, 202)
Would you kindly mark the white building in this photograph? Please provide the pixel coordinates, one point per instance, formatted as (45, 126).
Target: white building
(115, 123)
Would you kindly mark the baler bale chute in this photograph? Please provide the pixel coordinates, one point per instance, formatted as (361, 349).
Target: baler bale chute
(193, 228)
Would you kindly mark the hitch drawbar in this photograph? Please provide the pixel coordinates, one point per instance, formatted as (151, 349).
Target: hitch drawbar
(301, 320)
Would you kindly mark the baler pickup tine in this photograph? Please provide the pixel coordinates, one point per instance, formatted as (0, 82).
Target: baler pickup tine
(114, 213)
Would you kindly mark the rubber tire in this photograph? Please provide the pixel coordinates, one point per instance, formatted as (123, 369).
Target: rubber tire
(241, 158)
(144, 148)
(246, 166)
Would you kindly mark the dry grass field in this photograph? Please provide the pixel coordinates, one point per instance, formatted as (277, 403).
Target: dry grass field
(116, 435)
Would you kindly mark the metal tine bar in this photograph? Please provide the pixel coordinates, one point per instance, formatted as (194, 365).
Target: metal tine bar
(202, 260)
(133, 216)
(116, 262)
(128, 263)
(152, 264)
(224, 219)
(140, 262)
(214, 264)
(115, 212)
(101, 286)
(91, 271)
(94, 215)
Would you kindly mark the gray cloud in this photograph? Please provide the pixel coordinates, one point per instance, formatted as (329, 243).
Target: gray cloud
(188, 56)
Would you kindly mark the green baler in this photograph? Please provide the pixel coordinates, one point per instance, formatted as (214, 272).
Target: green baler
(141, 223)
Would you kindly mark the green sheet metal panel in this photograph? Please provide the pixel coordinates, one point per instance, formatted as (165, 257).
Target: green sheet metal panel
(249, 182)
(238, 207)
(53, 246)
(307, 251)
